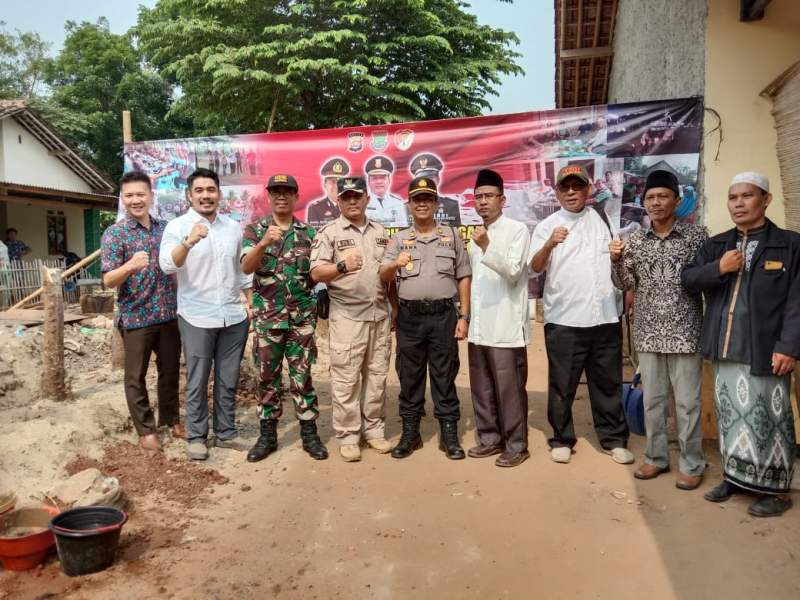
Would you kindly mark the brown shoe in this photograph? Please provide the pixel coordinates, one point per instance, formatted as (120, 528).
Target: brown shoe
(150, 442)
(648, 471)
(178, 431)
(512, 459)
(688, 482)
(483, 451)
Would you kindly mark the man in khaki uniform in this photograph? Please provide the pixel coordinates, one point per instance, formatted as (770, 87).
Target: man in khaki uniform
(431, 268)
(346, 255)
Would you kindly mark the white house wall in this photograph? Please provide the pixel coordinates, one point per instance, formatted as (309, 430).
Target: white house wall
(24, 160)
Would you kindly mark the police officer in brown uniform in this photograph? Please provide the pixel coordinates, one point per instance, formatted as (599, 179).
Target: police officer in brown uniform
(324, 210)
(430, 166)
(346, 256)
(431, 267)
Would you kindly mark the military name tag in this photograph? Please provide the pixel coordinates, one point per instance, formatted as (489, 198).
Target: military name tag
(773, 265)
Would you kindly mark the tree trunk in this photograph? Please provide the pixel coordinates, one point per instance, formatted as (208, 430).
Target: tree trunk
(53, 373)
(273, 113)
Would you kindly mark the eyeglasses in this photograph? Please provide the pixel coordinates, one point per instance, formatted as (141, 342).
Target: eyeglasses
(576, 186)
(278, 192)
(490, 196)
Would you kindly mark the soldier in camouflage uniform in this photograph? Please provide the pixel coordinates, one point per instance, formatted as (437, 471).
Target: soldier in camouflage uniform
(277, 248)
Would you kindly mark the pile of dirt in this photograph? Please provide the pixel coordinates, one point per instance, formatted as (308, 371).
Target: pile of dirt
(141, 474)
(86, 350)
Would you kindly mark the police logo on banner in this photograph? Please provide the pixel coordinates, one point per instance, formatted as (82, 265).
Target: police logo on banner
(403, 139)
(380, 140)
(355, 141)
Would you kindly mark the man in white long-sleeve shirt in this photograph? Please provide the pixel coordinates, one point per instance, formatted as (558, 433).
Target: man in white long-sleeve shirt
(499, 327)
(203, 248)
(581, 315)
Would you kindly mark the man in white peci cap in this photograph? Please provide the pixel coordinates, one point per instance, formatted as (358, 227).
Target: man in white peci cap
(750, 277)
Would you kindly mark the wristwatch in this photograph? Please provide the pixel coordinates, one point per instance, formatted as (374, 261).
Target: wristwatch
(185, 243)
(463, 318)
(341, 266)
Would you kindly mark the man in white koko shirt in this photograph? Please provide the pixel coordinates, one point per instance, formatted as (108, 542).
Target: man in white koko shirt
(581, 315)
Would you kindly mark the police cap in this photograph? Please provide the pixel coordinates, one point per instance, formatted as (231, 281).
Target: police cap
(421, 185)
(335, 167)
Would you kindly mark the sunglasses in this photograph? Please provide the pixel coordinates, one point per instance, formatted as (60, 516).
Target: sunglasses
(575, 186)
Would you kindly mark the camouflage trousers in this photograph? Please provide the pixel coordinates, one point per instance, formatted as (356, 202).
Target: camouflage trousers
(298, 346)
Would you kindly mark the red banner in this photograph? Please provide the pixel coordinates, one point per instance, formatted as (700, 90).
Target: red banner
(618, 145)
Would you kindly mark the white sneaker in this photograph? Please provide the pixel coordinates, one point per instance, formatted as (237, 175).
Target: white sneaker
(622, 456)
(561, 455)
(350, 452)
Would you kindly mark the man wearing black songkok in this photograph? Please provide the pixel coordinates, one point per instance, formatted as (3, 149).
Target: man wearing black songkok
(499, 327)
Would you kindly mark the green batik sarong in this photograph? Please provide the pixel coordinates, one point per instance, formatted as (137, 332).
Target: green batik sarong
(756, 428)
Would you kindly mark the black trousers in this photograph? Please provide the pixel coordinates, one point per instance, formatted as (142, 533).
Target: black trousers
(598, 351)
(497, 378)
(427, 343)
(165, 340)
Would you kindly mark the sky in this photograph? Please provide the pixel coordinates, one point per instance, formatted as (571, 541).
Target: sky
(531, 20)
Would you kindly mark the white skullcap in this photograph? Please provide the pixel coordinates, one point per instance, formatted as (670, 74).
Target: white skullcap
(757, 179)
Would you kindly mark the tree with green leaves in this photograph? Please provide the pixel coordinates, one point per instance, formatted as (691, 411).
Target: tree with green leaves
(251, 65)
(96, 76)
(23, 62)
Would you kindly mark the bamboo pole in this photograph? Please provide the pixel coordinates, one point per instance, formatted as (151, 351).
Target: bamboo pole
(53, 372)
(73, 269)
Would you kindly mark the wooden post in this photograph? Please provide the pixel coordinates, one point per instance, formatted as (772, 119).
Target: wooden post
(127, 131)
(117, 347)
(53, 374)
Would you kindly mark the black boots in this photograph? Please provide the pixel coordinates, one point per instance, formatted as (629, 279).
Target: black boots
(448, 440)
(311, 442)
(266, 443)
(410, 440)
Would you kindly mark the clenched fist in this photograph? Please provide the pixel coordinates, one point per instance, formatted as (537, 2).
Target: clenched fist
(199, 231)
(138, 261)
(481, 237)
(731, 262)
(353, 261)
(272, 235)
(559, 235)
(616, 247)
(403, 259)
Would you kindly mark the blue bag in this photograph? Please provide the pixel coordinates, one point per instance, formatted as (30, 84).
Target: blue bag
(633, 405)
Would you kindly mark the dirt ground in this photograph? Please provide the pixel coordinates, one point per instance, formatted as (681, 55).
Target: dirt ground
(424, 527)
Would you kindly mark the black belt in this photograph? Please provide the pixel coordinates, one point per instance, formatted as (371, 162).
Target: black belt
(427, 307)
